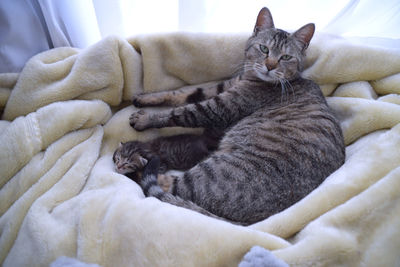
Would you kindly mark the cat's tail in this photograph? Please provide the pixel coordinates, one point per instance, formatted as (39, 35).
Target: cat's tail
(152, 189)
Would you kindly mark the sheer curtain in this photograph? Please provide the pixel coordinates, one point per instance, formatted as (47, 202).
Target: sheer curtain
(30, 26)
(87, 21)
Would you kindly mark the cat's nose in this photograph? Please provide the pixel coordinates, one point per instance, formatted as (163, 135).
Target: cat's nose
(271, 63)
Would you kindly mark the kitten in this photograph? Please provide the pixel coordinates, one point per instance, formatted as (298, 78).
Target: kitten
(281, 139)
(179, 152)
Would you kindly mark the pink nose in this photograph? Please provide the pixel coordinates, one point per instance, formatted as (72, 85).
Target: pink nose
(271, 63)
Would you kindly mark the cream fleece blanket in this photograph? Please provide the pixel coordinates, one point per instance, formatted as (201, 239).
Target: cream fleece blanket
(64, 115)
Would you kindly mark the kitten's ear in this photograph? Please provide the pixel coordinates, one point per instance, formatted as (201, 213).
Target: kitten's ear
(143, 161)
(264, 20)
(305, 33)
(120, 144)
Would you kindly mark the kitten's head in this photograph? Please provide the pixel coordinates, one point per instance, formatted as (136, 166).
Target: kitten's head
(127, 159)
(273, 54)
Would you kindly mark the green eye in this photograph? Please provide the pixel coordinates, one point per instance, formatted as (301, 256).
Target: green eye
(286, 57)
(264, 49)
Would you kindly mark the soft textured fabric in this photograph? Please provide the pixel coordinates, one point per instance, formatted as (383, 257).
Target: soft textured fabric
(65, 114)
(260, 257)
(70, 262)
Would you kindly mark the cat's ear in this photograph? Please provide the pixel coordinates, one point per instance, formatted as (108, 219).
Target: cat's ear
(305, 33)
(264, 20)
(143, 161)
(120, 144)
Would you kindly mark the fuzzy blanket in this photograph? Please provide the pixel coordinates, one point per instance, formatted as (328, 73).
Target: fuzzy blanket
(66, 112)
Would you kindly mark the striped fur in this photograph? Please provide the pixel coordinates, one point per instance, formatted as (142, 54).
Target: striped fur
(182, 96)
(281, 139)
(150, 187)
(179, 152)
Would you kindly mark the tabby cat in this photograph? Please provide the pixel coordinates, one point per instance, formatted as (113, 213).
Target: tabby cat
(180, 152)
(281, 139)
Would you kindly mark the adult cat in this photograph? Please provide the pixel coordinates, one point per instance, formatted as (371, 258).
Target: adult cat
(281, 139)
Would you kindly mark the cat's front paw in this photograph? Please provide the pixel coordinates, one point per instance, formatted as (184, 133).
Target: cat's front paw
(140, 120)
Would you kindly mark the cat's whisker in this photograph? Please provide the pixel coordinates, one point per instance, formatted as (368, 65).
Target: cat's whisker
(239, 69)
(249, 67)
(291, 88)
(286, 86)
(283, 89)
(243, 67)
(287, 94)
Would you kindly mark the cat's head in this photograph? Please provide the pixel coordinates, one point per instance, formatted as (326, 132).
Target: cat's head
(273, 54)
(127, 160)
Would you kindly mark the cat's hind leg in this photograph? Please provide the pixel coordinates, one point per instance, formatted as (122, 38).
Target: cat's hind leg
(151, 188)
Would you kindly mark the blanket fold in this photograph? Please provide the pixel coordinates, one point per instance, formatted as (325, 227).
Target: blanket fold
(68, 73)
(46, 158)
(65, 113)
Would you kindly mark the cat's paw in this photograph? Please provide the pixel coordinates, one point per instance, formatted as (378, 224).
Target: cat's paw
(140, 120)
(146, 100)
(137, 101)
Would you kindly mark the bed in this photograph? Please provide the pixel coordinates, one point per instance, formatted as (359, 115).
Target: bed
(65, 113)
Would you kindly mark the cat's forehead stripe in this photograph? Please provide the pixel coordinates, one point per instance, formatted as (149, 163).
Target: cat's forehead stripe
(279, 39)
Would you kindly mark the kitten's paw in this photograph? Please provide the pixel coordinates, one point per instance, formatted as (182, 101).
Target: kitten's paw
(140, 120)
(146, 100)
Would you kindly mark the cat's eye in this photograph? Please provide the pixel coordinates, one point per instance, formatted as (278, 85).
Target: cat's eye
(286, 57)
(264, 49)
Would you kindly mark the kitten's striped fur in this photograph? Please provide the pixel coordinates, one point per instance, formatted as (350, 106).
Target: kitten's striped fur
(281, 139)
(179, 152)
